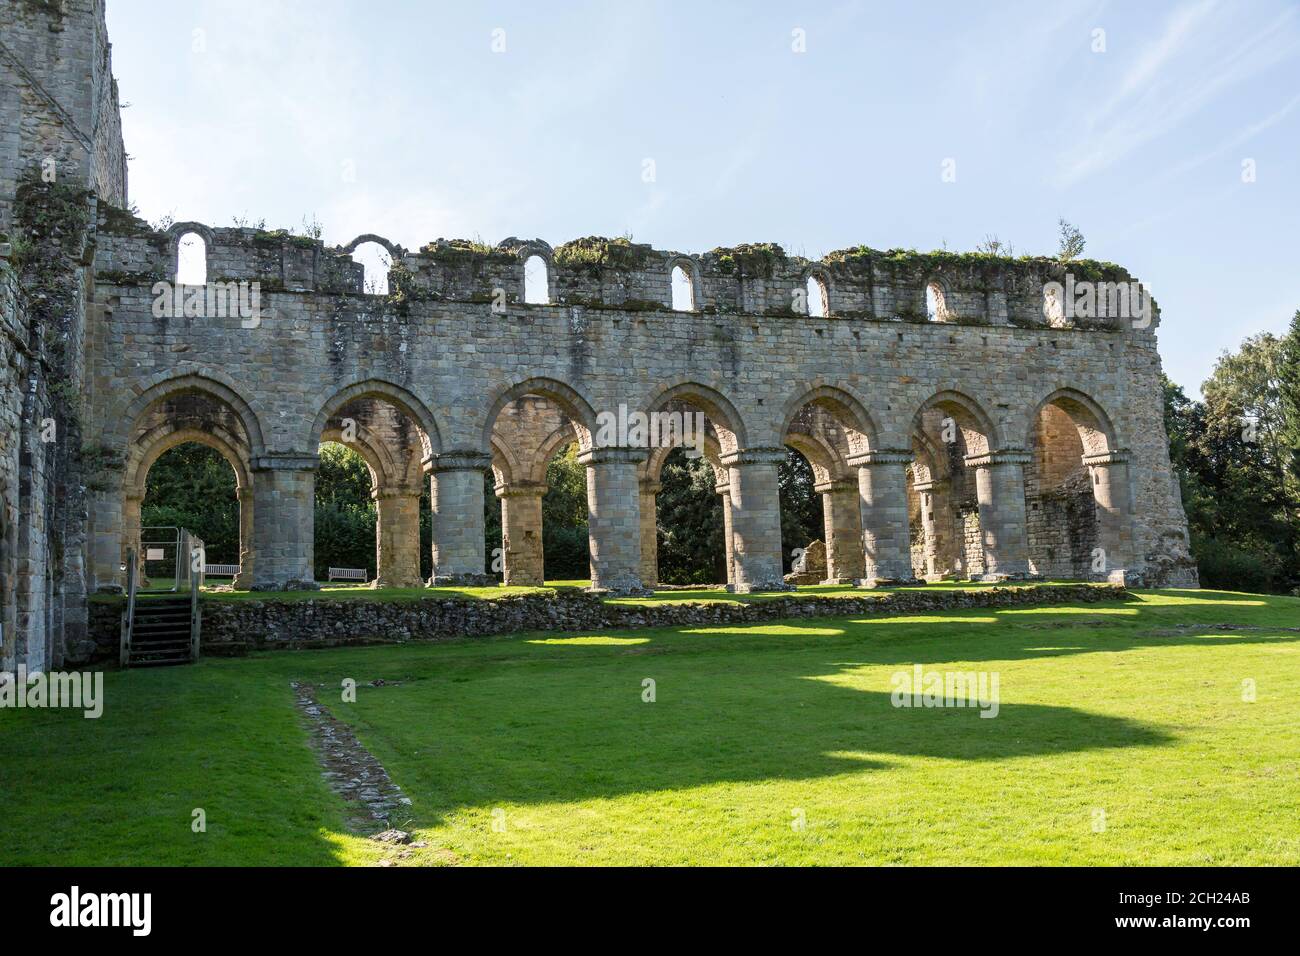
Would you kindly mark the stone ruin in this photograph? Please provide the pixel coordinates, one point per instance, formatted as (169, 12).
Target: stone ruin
(958, 424)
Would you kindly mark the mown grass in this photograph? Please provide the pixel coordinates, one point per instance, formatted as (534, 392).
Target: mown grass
(1123, 737)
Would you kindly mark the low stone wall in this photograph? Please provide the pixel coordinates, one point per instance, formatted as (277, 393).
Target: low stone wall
(230, 627)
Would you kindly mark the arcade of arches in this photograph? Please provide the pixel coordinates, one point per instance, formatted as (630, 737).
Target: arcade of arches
(959, 503)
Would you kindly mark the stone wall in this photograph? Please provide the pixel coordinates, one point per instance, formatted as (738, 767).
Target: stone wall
(60, 147)
(234, 626)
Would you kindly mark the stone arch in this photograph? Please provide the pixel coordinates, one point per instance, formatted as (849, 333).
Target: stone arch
(1096, 429)
(1076, 489)
(158, 441)
(843, 406)
(504, 464)
(211, 383)
(384, 471)
(394, 250)
(569, 399)
(560, 438)
(726, 420)
(397, 396)
(977, 426)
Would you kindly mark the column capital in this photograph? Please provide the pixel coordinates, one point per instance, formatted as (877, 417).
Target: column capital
(458, 460)
(1117, 457)
(613, 454)
(931, 485)
(521, 489)
(882, 456)
(760, 455)
(649, 487)
(395, 491)
(285, 461)
(836, 484)
(1003, 456)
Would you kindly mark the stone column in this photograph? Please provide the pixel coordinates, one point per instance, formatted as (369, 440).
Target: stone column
(284, 499)
(1000, 489)
(614, 518)
(650, 533)
(1112, 491)
(397, 538)
(456, 492)
(244, 579)
(521, 533)
(132, 530)
(724, 489)
(886, 531)
(107, 543)
(937, 523)
(843, 522)
(755, 520)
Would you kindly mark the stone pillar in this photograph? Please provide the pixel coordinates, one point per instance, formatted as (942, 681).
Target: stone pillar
(1000, 489)
(284, 500)
(843, 522)
(132, 530)
(614, 518)
(886, 532)
(244, 579)
(724, 489)
(941, 549)
(521, 533)
(106, 544)
(397, 538)
(456, 493)
(650, 533)
(1112, 491)
(755, 520)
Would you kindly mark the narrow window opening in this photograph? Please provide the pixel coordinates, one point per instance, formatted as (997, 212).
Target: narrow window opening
(818, 304)
(191, 260)
(683, 290)
(935, 310)
(536, 282)
(377, 261)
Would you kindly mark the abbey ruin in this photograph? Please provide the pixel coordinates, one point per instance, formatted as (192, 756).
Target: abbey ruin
(985, 435)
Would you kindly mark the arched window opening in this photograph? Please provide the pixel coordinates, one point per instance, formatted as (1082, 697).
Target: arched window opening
(345, 515)
(536, 281)
(191, 486)
(818, 301)
(191, 260)
(935, 310)
(377, 261)
(1053, 307)
(683, 290)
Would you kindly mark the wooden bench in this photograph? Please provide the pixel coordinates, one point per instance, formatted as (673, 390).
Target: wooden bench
(348, 574)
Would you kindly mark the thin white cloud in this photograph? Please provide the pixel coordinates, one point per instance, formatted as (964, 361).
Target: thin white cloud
(1170, 83)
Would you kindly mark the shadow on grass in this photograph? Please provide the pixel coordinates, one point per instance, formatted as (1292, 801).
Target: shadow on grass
(557, 719)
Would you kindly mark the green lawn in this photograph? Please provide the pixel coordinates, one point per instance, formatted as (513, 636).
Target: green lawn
(1132, 709)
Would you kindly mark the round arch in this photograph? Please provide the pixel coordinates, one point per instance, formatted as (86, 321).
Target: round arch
(122, 421)
(395, 395)
(843, 406)
(570, 401)
(726, 420)
(980, 431)
(1096, 430)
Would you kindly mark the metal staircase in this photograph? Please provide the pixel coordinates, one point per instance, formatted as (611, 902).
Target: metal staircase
(159, 630)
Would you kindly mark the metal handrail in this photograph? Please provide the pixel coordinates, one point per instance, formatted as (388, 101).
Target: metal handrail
(128, 619)
(195, 622)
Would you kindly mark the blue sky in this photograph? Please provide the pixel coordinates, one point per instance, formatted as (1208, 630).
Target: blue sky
(400, 119)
